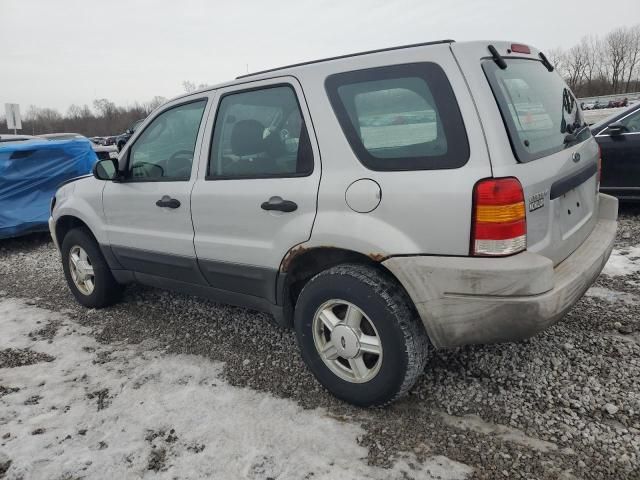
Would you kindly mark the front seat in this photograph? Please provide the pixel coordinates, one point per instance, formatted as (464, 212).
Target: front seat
(246, 138)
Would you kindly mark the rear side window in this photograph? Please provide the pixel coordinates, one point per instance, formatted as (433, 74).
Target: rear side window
(537, 108)
(400, 117)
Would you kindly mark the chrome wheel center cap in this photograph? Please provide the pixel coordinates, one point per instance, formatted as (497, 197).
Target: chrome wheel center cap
(346, 341)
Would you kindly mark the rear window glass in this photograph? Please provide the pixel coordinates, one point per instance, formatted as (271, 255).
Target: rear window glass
(401, 117)
(541, 114)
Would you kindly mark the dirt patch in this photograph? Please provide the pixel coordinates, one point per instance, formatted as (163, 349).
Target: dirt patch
(102, 398)
(45, 333)
(7, 390)
(157, 459)
(13, 357)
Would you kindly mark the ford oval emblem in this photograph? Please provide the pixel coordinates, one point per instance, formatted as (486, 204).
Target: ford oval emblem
(575, 157)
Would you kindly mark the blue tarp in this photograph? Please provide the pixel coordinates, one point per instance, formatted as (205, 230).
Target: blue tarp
(30, 173)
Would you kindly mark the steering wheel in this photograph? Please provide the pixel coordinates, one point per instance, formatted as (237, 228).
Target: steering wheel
(154, 170)
(183, 165)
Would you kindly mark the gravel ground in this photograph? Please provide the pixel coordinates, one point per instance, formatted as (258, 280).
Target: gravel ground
(563, 405)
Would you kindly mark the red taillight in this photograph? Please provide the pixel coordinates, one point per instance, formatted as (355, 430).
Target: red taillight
(499, 225)
(519, 48)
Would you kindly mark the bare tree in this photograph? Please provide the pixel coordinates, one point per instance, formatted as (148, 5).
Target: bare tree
(557, 57)
(633, 53)
(615, 51)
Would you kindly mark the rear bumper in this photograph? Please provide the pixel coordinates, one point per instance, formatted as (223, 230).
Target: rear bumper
(465, 300)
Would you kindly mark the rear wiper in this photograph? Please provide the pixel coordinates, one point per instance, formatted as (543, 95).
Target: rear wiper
(497, 57)
(569, 138)
(545, 61)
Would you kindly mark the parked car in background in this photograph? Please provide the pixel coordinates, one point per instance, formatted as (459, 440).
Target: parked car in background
(110, 140)
(457, 203)
(97, 140)
(102, 151)
(31, 170)
(123, 138)
(619, 140)
(9, 138)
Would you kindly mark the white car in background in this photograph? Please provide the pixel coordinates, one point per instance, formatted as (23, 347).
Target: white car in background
(103, 152)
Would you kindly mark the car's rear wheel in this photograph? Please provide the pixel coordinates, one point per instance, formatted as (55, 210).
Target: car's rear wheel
(360, 335)
(86, 271)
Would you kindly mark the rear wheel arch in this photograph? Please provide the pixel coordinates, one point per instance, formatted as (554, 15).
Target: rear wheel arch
(302, 264)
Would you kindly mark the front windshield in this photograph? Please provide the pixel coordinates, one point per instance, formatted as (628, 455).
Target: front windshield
(541, 113)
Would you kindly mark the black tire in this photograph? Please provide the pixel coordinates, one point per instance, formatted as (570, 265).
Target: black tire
(405, 343)
(106, 290)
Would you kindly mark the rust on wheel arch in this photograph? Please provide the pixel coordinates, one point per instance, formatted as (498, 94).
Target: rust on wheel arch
(291, 254)
(300, 249)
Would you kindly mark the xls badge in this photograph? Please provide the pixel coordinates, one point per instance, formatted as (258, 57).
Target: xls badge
(536, 200)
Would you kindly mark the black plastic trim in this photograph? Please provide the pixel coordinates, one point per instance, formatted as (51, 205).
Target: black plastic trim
(177, 267)
(562, 186)
(239, 278)
(215, 294)
(349, 55)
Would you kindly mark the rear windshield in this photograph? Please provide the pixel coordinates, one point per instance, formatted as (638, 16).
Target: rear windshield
(400, 117)
(541, 114)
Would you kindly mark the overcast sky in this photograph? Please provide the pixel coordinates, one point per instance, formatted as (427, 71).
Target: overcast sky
(55, 53)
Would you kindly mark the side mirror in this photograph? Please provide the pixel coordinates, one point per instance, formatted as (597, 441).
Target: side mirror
(617, 129)
(105, 169)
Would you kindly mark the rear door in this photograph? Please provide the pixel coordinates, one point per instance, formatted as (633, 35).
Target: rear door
(536, 133)
(621, 157)
(256, 196)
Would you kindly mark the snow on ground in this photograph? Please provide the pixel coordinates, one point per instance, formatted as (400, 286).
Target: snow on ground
(624, 261)
(115, 411)
(613, 296)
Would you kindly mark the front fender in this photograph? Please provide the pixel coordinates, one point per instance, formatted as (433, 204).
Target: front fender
(82, 200)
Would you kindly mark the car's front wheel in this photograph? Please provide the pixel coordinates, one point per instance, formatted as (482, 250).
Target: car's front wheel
(359, 334)
(86, 271)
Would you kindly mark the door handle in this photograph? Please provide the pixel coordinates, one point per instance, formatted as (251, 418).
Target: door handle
(277, 203)
(167, 202)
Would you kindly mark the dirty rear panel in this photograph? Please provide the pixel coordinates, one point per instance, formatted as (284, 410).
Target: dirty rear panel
(528, 113)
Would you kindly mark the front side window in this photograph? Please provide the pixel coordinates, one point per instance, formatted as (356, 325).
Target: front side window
(401, 117)
(260, 133)
(541, 114)
(165, 149)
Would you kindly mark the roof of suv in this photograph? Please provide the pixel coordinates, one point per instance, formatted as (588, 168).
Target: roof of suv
(311, 62)
(328, 59)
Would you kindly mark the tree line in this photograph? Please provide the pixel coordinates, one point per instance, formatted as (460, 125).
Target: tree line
(106, 118)
(602, 65)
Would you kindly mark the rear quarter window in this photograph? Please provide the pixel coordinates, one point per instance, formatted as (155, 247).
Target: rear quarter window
(400, 117)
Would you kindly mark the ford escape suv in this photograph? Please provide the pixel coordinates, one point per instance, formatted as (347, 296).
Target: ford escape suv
(382, 204)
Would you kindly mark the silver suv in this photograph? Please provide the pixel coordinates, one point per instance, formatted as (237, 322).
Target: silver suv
(382, 204)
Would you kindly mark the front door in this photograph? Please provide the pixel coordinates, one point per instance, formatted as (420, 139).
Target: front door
(148, 213)
(256, 198)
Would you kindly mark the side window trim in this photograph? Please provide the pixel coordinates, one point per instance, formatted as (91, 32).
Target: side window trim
(125, 167)
(218, 103)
